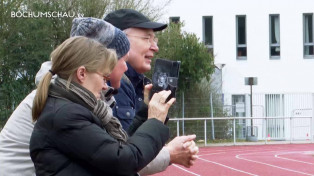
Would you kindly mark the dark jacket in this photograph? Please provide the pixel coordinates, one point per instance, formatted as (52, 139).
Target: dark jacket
(124, 109)
(69, 140)
(130, 98)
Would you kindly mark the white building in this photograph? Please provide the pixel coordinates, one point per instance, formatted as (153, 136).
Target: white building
(271, 40)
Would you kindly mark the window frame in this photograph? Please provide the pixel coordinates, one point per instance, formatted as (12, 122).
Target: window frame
(272, 45)
(304, 37)
(210, 47)
(237, 38)
(174, 19)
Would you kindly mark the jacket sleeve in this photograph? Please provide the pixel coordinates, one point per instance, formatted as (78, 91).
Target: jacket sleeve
(80, 138)
(159, 164)
(139, 119)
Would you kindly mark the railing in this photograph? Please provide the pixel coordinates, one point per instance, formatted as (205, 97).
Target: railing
(289, 129)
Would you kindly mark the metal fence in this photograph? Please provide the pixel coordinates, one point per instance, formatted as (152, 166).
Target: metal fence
(296, 129)
(227, 118)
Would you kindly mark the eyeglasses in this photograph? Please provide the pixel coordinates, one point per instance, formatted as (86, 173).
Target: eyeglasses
(148, 38)
(105, 77)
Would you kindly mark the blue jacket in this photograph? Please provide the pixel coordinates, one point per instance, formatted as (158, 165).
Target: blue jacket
(130, 96)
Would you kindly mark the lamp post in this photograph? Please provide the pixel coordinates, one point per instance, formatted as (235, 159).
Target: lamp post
(251, 81)
(219, 66)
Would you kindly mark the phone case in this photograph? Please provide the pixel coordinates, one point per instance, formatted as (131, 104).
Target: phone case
(165, 76)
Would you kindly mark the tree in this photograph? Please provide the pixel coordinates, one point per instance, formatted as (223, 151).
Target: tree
(195, 81)
(26, 42)
(196, 62)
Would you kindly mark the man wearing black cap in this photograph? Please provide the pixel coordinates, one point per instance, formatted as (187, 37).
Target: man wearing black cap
(140, 32)
(130, 99)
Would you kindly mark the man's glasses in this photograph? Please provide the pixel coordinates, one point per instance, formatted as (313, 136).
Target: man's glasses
(148, 38)
(105, 77)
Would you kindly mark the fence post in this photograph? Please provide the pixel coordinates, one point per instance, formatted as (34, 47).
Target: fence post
(183, 113)
(234, 131)
(291, 128)
(205, 131)
(178, 128)
(312, 131)
(266, 135)
(212, 115)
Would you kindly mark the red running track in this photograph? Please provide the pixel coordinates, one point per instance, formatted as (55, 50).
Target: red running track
(257, 160)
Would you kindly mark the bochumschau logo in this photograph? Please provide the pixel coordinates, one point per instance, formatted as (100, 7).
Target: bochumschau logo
(49, 14)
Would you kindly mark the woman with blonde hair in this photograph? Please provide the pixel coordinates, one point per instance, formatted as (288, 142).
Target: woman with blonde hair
(75, 132)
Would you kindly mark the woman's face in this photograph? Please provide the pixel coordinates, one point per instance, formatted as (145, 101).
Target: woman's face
(96, 82)
(118, 71)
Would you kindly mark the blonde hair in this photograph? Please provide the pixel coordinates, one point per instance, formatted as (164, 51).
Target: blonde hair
(67, 58)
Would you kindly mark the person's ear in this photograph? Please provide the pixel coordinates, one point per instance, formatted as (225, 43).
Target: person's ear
(81, 74)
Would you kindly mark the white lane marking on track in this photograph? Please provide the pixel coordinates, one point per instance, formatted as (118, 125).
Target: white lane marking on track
(212, 154)
(227, 166)
(277, 156)
(185, 170)
(240, 150)
(299, 172)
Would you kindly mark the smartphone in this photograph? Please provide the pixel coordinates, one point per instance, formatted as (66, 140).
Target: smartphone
(165, 77)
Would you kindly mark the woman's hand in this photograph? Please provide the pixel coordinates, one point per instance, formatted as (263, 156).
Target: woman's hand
(158, 107)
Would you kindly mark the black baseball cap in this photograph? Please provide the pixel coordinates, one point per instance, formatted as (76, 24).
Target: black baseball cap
(127, 18)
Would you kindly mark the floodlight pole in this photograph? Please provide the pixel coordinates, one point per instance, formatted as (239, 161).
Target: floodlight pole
(251, 81)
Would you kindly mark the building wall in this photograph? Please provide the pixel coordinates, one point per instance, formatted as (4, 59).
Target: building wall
(291, 74)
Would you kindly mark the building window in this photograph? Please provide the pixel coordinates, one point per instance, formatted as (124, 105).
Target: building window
(308, 36)
(208, 33)
(274, 36)
(174, 20)
(241, 37)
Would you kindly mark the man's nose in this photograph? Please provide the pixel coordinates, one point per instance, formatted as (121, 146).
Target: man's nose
(154, 47)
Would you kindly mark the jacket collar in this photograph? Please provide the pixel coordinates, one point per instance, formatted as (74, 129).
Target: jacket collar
(134, 77)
